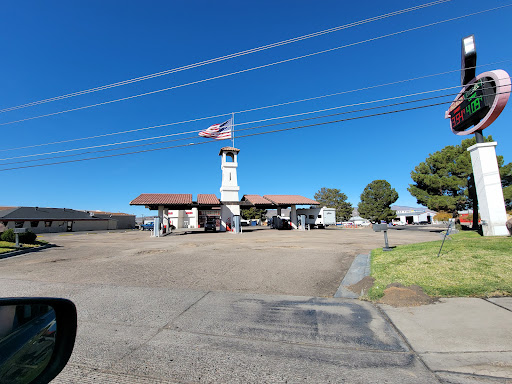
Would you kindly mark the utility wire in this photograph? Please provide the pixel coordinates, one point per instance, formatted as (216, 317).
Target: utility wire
(355, 104)
(255, 68)
(250, 122)
(249, 135)
(369, 87)
(239, 130)
(249, 110)
(213, 141)
(227, 57)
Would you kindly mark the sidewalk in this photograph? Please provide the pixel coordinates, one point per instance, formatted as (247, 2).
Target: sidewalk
(462, 340)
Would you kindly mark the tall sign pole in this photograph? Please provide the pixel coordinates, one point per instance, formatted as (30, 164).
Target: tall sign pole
(475, 108)
(468, 70)
(467, 73)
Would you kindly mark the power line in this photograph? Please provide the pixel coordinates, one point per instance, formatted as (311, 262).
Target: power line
(239, 130)
(249, 110)
(227, 57)
(369, 87)
(250, 122)
(242, 136)
(254, 68)
(238, 137)
(355, 104)
(114, 133)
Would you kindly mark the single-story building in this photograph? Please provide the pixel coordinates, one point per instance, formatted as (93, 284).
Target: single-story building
(410, 215)
(358, 220)
(47, 220)
(124, 220)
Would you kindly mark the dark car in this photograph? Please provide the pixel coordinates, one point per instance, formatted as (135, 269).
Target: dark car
(211, 224)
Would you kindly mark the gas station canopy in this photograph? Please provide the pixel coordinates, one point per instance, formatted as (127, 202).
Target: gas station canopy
(278, 201)
(208, 201)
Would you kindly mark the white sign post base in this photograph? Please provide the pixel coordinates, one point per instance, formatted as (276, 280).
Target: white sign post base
(488, 189)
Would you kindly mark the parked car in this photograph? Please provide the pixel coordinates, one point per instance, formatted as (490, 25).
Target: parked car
(211, 224)
(147, 227)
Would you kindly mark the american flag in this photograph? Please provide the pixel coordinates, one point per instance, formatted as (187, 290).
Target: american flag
(218, 131)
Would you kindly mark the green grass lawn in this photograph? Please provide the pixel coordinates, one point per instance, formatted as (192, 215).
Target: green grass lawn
(469, 265)
(6, 246)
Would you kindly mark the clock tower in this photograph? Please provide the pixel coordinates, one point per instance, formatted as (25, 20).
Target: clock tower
(229, 187)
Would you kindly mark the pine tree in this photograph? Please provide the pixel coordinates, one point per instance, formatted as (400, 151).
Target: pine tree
(444, 181)
(334, 198)
(376, 201)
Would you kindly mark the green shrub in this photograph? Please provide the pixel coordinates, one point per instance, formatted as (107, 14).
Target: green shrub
(8, 235)
(25, 238)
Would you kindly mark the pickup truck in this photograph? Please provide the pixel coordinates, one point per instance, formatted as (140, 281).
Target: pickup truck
(147, 227)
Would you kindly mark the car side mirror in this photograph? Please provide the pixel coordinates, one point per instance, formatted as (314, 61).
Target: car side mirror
(37, 336)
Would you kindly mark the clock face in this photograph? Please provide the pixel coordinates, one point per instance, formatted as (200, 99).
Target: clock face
(479, 103)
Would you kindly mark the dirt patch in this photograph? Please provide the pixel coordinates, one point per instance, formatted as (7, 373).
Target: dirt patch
(397, 295)
(362, 286)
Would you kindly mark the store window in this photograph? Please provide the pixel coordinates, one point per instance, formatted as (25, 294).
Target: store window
(34, 224)
(47, 224)
(18, 224)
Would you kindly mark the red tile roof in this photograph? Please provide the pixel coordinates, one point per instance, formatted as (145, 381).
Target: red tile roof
(256, 200)
(290, 200)
(207, 199)
(231, 149)
(163, 199)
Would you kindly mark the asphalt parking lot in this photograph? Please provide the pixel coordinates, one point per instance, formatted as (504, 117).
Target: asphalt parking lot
(309, 263)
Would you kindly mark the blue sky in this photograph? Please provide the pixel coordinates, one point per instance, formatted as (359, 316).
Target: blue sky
(54, 48)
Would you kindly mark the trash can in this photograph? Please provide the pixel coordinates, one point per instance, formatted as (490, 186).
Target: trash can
(236, 223)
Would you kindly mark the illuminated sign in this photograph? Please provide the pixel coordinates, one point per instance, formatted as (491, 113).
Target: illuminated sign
(479, 103)
(473, 105)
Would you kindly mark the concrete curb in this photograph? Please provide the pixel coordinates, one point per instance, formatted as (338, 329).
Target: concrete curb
(26, 250)
(360, 268)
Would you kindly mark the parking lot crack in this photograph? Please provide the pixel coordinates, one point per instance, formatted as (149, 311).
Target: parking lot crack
(170, 323)
(496, 304)
(406, 341)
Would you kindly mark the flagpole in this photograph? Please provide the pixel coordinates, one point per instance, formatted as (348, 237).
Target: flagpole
(233, 127)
